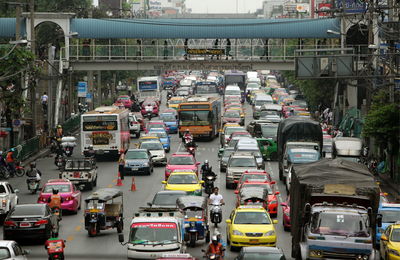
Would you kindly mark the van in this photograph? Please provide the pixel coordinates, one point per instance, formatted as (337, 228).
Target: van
(259, 101)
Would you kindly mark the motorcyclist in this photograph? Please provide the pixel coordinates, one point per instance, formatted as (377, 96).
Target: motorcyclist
(169, 94)
(10, 159)
(55, 245)
(188, 139)
(91, 153)
(55, 201)
(59, 131)
(215, 248)
(33, 173)
(206, 170)
(216, 198)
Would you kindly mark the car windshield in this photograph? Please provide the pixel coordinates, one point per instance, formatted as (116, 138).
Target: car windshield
(182, 93)
(253, 85)
(168, 118)
(300, 103)
(256, 153)
(28, 210)
(159, 134)
(227, 153)
(230, 130)
(166, 199)
(151, 146)
(242, 162)
(152, 233)
(232, 92)
(175, 101)
(151, 126)
(262, 102)
(303, 157)
(390, 216)
(258, 177)
(256, 185)
(232, 114)
(181, 160)
(395, 235)
(131, 155)
(249, 218)
(262, 256)
(60, 187)
(182, 179)
(269, 131)
(198, 117)
(4, 253)
(332, 223)
(265, 113)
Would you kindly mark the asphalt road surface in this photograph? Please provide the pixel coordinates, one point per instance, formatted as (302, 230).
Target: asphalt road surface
(106, 246)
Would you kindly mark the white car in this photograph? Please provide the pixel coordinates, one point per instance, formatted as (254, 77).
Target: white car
(10, 250)
(8, 198)
(156, 150)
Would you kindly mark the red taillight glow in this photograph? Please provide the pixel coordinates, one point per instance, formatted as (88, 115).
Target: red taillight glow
(9, 223)
(41, 222)
(69, 198)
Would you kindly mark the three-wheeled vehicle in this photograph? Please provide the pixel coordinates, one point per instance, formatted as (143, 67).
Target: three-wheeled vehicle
(195, 212)
(104, 210)
(253, 196)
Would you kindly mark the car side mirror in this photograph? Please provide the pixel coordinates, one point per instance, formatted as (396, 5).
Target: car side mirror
(384, 237)
(121, 237)
(236, 192)
(26, 252)
(16, 190)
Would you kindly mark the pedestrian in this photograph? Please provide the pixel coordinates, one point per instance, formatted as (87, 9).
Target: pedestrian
(44, 100)
(121, 163)
(185, 46)
(165, 50)
(59, 132)
(228, 48)
(139, 51)
(265, 55)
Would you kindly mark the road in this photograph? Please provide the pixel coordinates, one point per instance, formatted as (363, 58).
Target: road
(106, 246)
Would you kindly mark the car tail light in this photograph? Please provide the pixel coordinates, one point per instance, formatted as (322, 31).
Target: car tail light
(42, 199)
(4, 203)
(41, 222)
(69, 198)
(9, 223)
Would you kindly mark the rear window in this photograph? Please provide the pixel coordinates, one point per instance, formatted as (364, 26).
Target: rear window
(28, 210)
(4, 253)
(60, 187)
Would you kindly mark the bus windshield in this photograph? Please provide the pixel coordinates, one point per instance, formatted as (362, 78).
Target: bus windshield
(206, 89)
(200, 117)
(100, 123)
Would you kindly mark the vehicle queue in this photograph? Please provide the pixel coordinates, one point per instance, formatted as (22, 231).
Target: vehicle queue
(180, 215)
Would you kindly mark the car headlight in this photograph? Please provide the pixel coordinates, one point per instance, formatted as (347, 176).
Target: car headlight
(237, 233)
(393, 252)
(145, 164)
(269, 233)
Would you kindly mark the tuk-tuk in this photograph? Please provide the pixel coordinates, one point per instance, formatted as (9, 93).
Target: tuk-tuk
(253, 196)
(104, 210)
(268, 148)
(195, 212)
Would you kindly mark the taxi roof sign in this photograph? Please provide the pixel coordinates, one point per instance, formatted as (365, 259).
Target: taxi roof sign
(250, 207)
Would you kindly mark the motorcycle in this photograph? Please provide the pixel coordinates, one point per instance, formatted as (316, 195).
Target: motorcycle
(216, 214)
(212, 256)
(33, 185)
(190, 146)
(209, 184)
(59, 161)
(19, 170)
(4, 172)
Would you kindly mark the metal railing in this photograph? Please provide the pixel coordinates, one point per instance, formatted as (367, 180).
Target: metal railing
(72, 124)
(243, 52)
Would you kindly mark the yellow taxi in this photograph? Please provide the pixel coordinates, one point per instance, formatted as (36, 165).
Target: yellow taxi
(146, 138)
(175, 101)
(250, 225)
(390, 243)
(185, 181)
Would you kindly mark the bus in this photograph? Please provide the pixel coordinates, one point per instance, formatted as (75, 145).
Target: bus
(107, 129)
(201, 116)
(149, 87)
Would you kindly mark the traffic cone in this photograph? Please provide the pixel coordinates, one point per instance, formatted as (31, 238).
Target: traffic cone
(119, 181)
(133, 186)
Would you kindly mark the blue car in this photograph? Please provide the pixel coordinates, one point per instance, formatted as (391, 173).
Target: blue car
(163, 136)
(170, 121)
(390, 215)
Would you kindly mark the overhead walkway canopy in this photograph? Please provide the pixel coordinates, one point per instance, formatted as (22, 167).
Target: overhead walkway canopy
(191, 28)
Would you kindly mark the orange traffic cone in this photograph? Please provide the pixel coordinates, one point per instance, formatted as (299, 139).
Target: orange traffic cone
(133, 186)
(119, 181)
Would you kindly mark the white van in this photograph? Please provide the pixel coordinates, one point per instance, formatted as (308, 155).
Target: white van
(232, 90)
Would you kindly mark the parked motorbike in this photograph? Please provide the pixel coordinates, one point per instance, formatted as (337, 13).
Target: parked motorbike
(216, 214)
(4, 172)
(33, 185)
(209, 184)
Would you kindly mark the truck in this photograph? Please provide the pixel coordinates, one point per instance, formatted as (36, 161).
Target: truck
(333, 210)
(298, 130)
(9, 198)
(149, 87)
(154, 232)
(348, 148)
(81, 172)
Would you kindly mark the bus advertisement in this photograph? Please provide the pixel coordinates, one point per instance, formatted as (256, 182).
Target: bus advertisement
(201, 116)
(107, 129)
(148, 87)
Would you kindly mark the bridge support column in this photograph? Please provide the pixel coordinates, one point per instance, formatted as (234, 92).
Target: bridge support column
(58, 94)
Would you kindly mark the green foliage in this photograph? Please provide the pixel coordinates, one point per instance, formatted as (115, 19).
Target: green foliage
(316, 91)
(382, 120)
(80, 7)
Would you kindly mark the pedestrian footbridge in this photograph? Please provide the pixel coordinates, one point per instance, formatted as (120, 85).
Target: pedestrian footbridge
(180, 44)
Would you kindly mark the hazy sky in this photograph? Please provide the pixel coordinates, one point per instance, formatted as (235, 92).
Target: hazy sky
(223, 6)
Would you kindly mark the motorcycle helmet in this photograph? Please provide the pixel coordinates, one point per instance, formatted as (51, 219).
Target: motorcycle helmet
(214, 238)
(1, 152)
(33, 164)
(206, 162)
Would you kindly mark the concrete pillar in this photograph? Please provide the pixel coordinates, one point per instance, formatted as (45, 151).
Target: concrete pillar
(91, 87)
(99, 90)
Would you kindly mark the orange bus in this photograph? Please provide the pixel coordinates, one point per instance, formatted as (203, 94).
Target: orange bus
(201, 116)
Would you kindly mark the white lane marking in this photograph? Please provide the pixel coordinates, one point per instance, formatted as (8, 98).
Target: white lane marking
(179, 147)
(269, 164)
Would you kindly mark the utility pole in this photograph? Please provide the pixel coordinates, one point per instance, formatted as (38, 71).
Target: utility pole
(18, 11)
(33, 49)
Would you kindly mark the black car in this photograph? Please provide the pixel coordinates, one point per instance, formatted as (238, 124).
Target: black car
(30, 221)
(138, 161)
(260, 252)
(166, 198)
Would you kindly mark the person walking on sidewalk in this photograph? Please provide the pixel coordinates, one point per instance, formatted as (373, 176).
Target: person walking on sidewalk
(44, 100)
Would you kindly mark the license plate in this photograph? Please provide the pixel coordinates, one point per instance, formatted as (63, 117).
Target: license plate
(253, 241)
(135, 169)
(77, 174)
(25, 224)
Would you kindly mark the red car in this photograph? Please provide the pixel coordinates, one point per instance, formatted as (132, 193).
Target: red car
(272, 195)
(181, 161)
(150, 107)
(71, 196)
(126, 100)
(155, 124)
(286, 214)
(256, 176)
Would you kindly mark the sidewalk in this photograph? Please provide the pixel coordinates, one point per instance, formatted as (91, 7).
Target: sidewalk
(387, 185)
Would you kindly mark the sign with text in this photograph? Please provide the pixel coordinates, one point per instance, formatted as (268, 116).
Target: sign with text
(324, 7)
(206, 51)
(352, 6)
(82, 89)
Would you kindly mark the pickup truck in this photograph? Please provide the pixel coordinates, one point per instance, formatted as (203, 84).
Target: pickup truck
(8, 198)
(81, 172)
